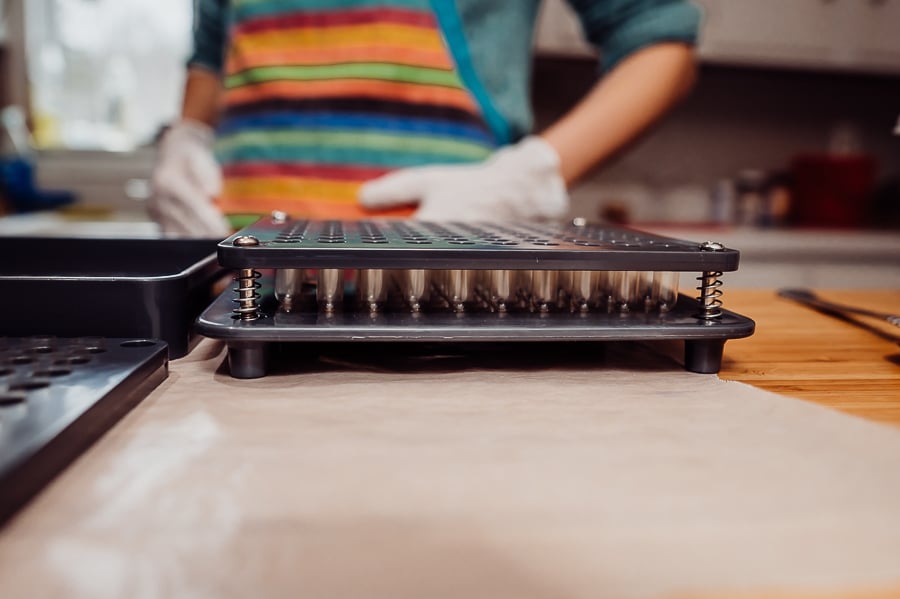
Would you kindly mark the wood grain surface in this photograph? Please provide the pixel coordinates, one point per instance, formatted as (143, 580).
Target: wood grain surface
(803, 353)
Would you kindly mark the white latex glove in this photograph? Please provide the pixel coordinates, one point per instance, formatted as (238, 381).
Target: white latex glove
(185, 181)
(519, 182)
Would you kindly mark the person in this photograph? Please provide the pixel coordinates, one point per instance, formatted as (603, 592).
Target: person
(350, 109)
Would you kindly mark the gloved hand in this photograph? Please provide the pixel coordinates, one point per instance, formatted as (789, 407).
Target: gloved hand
(185, 181)
(516, 183)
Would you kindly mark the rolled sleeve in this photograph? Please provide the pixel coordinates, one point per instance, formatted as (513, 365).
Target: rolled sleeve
(619, 27)
(210, 17)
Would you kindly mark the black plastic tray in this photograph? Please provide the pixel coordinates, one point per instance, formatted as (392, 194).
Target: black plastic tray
(152, 288)
(248, 341)
(58, 396)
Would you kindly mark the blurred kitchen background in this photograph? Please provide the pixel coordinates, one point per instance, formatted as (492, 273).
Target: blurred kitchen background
(786, 149)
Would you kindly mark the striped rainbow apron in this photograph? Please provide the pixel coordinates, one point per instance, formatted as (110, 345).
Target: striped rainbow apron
(323, 95)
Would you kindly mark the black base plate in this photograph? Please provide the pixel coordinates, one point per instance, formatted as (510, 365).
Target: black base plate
(247, 340)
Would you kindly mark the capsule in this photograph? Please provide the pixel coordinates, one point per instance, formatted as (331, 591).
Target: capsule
(544, 289)
(371, 289)
(583, 289)
(522, 281)
(288, 287)
(621, 290)
(644, 298)
(665, 288)
(330, 289)
(502, 290)
(603, 296)
(459, 288)
(412, 286)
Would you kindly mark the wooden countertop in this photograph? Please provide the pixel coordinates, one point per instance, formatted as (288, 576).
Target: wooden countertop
(802, 353)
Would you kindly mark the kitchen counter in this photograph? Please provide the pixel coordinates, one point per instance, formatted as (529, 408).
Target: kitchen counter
(799, 352)
(126, 225)
(205, 488)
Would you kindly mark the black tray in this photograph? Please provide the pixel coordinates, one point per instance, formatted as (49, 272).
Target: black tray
(248, 340)
(152, 288)
(58, 396)
(280, 243)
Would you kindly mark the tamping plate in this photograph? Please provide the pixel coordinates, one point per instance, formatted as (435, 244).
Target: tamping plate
(280, 244)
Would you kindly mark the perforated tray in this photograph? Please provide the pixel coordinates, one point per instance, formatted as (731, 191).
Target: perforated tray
(411, 244)
(58, 396)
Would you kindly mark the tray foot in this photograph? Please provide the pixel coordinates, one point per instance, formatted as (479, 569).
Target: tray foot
(247, 360)
(703, 356)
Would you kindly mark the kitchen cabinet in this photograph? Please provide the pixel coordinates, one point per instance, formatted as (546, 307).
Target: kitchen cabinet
(860, 35)
(877, 23)
(822, 34)
(769, 31)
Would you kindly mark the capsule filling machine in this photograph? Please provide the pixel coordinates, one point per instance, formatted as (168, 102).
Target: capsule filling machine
(382, 280)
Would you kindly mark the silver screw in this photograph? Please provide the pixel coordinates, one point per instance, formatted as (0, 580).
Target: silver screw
(711, 246)
(246, 241)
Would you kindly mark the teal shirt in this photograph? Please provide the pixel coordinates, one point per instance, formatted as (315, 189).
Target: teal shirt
(491, 42)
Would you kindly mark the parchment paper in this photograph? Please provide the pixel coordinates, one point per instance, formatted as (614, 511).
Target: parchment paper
(400, 471)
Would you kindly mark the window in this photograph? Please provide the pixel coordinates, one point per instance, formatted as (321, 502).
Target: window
(105, 74)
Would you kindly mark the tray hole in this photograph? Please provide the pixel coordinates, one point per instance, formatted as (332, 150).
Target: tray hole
(21, 360)
(29, 385)
(11, 399)
(94, 349)
(40, 349)
(53, 372)
(6, 371)
(74, 360)
(138, 343)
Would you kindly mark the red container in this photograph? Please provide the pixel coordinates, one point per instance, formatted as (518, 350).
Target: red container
(832, 190)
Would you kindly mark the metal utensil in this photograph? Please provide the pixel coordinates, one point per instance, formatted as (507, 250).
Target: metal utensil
(808, 297)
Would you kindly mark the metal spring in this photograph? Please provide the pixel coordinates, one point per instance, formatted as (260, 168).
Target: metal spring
(247, 309)
(710, 304)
